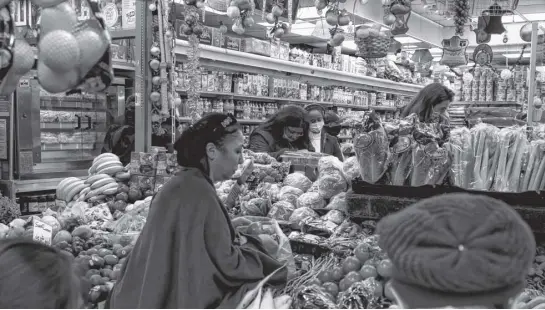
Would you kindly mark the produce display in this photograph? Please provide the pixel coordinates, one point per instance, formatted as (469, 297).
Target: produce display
(335, 262)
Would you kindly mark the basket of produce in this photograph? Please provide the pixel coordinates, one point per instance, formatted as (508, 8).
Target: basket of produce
(372, 42)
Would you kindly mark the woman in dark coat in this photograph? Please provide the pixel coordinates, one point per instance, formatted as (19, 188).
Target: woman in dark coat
(188, 254)
(287, 130)
(321, 141)
(431, 104)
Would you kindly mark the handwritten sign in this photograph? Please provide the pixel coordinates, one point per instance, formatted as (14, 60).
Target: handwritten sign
(42, 232)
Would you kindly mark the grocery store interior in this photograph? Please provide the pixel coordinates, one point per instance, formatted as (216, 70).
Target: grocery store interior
(174, 61)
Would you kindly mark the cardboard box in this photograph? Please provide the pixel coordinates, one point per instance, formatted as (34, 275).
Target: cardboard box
(232, 43)
(256, 46)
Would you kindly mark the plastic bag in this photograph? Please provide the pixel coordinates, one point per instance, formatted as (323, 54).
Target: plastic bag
(401, 147)
(431, 163)
(256, 206)
(460, 149)
(330, 165)
(134, 220)
(298, 180)
(512, 147)
(281, 210)
(290, 194)
(351, 168)
(533, 173)
(372, 149)
(331, 185)
(284, 253)
(311, 200)
(485, 148)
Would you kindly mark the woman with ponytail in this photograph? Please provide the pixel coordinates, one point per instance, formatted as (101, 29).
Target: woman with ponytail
(188, 255)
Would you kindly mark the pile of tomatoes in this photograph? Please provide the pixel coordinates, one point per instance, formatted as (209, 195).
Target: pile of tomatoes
(363, 264)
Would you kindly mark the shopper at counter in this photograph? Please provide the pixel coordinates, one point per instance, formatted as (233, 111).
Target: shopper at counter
(119, 138)
(165, 138)
(320, 140)
(431, 104)
(36, 276)
(188, 254)
(287, 130)
(457, 250)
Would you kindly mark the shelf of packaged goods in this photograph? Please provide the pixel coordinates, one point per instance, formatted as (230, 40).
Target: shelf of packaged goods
(122, 34)
(122, 65)
(241, 121)
(266, 99)
(67, 146)
(229, 60)
(383, 108)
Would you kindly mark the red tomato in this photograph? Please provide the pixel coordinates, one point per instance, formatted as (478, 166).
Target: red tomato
(314, 281)
(353, 276)
(368, 272)
(351, 264)
(325, 276)
(331, 288)
(345, 284)
(337, 274)
(362, 252)
(384, 268)
(388, 291)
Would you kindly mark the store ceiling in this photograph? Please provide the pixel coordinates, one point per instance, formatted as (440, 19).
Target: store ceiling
(309, 30)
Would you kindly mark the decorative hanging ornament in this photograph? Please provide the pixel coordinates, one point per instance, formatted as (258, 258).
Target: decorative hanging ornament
(152, 7)
(364, 2)
(506, 74)
(155, 96)
(467, 77)
(386, 2)
(155, 50)
(154, 64)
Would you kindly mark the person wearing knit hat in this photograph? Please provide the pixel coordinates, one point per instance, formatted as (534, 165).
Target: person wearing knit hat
(457, 250)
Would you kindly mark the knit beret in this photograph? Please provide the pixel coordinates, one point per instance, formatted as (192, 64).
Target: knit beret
(457, 250)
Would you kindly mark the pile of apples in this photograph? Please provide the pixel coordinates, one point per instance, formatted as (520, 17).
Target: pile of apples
(240, 11)
(374, 31)
(356, 268)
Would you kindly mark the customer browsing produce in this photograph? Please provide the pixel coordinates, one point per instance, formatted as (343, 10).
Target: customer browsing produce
(457, 250)
(321, 141)
(286, 130)
(188, 254)
(332, 124)
(119, 138)
(430, 104)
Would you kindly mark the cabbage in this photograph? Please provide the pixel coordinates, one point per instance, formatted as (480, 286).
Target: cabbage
(290, 194)
(311, 200)
(329, 164)
(298, 180)
(281, 211)
(255, 207)
(331, 185)
(334, 216)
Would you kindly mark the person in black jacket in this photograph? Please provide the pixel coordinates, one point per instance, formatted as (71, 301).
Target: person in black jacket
(286, 130)
(320, 140)
(119, 139)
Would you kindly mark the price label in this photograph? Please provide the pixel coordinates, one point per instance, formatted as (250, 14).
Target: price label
(42, 232)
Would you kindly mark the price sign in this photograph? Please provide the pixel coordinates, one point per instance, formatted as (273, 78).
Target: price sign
(42, 232)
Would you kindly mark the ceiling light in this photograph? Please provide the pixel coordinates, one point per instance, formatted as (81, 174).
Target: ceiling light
(516, 55)
(406, 40)
(410, 46)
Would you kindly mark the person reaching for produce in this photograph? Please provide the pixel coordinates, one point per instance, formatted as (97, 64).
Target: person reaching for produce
(37, 276)
(188, 254)
(321, 141)
(430, 104)
(457, 250)
(286, 130)
(332, 124)
(119, 139)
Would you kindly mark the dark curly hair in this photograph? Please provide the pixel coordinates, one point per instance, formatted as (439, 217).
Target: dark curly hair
(288, 116)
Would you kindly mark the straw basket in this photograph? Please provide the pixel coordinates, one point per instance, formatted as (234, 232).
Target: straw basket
(218, 5)
(373, 47)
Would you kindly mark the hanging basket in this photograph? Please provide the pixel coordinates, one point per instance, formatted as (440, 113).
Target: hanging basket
(218, 5)
(373, 47)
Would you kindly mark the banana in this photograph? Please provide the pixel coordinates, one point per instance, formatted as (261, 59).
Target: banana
(105, 155)
(85, 191)
(69, 187)
(61, 185)
(107, 164)
(96, 198)
(100, 190)
(111, 170)
(97, 163)
(102, 182)
(75, 190)
(92, 179)
(123, 175)
(110, 191)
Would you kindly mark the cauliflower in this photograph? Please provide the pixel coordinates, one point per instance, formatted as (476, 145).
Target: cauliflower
(290, 194)
(311, 200)
(301, 214)
(281, 211)
(338, 202)
(298, 180)
(351, 168)
(331, 185)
